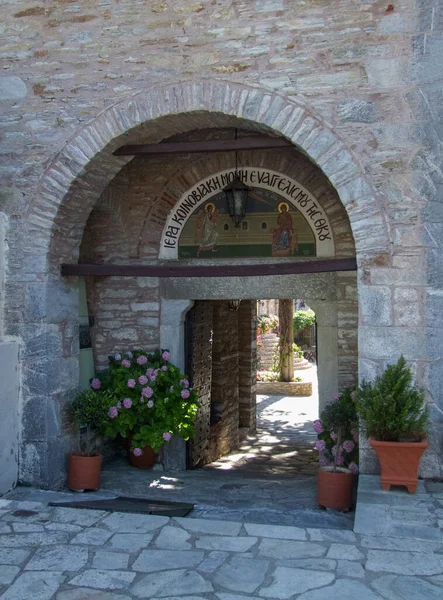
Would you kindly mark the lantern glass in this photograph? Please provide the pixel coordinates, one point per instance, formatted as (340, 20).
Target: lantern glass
(236, 194)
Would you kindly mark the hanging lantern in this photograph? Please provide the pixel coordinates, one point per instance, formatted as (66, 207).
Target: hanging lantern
(236, 194)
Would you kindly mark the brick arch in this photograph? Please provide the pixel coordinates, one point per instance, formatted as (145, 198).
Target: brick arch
(80, 172)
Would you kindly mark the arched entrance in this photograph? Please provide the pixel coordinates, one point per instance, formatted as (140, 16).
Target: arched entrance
(77, 178)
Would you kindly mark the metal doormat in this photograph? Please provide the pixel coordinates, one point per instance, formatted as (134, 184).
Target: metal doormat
(133, 505)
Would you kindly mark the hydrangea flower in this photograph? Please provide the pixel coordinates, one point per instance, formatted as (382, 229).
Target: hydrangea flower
(142, 360)
(143, 380)
(333, 435)
(147, 392)
(334, 450)
(340, 460)
(153, 377)
(137, 452)
(323, 461)
(166, 436)
(150, 371)
(150, 403)
(166, 355)
(131, 383)
(318, 427)
(184, 383)
(164, 368)
(336, 397)
(353, 467)
(119, 404)
(127, 402)
(126, 363)
(185, 394)
(320, 445)
(118, 356)
(348, 446)
(96, 384)
(113, 412)
(129, 355)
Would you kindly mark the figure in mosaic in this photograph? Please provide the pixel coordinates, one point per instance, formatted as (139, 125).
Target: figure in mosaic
(284, 237)
(206, 230)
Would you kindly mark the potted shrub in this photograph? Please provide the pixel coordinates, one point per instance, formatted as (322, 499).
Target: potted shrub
(88, 411)
(395, 417)
(152, 402)
(337, 433)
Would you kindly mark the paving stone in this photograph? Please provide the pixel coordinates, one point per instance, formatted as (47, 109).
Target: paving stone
(27, 527)
(223, 596)
(92, 536)
(404, 563)
(103, 579)
(276, 531)
(5, 528)
(402, 544)
(170, 583)
(393, 587)
(159, 560)
(5, 503)
(8, 574)
(9, 556)
(131, 542)
(344, 589)
(173, 538)
(344, 552)
(34, 586)
(350, 568)
(59, 558)
(313, 564)
(287, 582)
(212, 562)
(210, 527)
(77, 516)
(229, 544)
(283, 549)
(110, 560)
(33, 539)
(133, 523)
(242, 574)
(332, 535)
(68, 527)
(90, 594)
(437, 579)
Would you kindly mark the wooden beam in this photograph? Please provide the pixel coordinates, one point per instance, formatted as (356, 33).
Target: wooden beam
(326, 265)
(252, 143)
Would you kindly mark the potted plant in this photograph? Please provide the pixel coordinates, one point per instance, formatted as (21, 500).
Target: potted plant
(337, 433)
(152, 402)
(87, 411)
(395, 417)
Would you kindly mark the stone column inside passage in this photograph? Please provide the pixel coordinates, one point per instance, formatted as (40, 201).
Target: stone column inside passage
(286, 315)
(172, 337)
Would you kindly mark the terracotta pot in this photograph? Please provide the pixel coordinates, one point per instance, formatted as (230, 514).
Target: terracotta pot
(399, 462)
(145, 461)
(84, 472)
(334, 489)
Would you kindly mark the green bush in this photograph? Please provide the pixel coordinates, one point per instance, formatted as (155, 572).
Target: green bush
(391, 408)
(88, 412)
(303, 319)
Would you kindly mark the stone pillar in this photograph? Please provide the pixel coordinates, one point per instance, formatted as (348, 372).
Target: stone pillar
(9, 422)
(286, 315)
(327, 350)
(247, 363)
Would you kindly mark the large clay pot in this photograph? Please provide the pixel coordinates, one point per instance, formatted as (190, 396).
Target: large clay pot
(399, 462)
(145, 461)
(84, 472)
(334, 489)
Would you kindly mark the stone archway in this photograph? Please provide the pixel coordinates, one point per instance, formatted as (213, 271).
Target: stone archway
(80, 172)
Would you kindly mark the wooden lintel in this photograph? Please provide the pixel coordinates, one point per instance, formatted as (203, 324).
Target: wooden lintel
(325, 265)
(251, 143)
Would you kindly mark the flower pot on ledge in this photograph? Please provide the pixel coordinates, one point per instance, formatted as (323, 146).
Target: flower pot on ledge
(399, 462)
(145, 461)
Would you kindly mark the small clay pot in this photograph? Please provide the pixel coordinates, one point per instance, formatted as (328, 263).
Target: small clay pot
(335, 488)
(84, 472)
(145, 461)
(399, 462)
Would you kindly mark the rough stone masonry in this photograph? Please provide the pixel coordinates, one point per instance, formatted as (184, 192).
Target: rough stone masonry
(356, 85)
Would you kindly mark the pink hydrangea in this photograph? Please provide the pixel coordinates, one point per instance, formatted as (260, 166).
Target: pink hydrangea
(96, 384)
(334, 450)
(127, 402)
(143, 380)
(166, 355)
(340, 460)
(185, 394)
(353, 467)
(150, 371)
(126, 363)
(348, 446)
(320, 445)
(323, 461)
(336, 397)
(166, 436)
(318, 427)
(117, 356)
(184, 383)
(113, 412)
(164, 368)
(150, 403)
(153, 377)
(131, 383)
(333, 435)
(147, 392)
(142, 360)
(137, 452)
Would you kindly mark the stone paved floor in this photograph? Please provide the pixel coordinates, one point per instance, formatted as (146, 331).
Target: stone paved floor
(67, 554)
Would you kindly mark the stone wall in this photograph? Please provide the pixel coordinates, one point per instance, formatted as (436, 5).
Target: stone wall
(10, 413)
